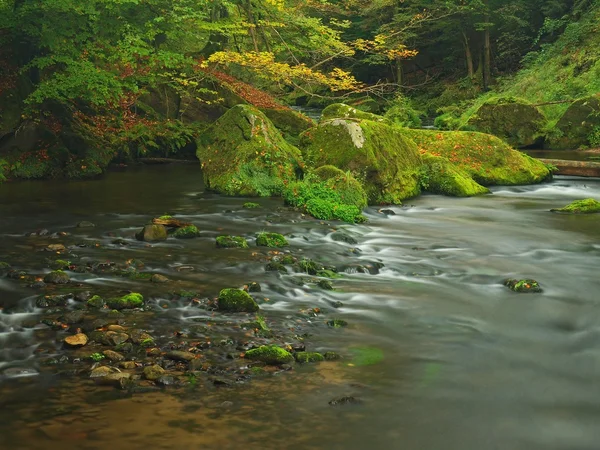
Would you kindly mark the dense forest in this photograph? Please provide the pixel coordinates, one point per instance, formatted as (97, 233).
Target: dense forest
(85, 84)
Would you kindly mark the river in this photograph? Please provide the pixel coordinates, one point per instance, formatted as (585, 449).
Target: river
(467, 364)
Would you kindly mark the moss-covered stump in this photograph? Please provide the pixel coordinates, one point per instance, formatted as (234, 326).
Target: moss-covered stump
(129, 301)
(231, 242)
(523, 286)
(152, 233)
(187, 232)
(291, 123)
(270, 354)
(515, 121)
(242, 153)
(586, 206)
(578, 127)
(380, 155)
(236, 300)
(485, 158)
(440, 176)
(272, 240)
(343, 111)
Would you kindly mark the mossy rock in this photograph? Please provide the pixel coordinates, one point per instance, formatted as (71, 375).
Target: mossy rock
(578, 127)
(349, 189)
(291, 123)
(59, 264)
(337, 323)
(523, 286)
(586, 206)
(236, 300)
(259, 326)
(381, 156)
(96, 302)
(276, 266)
(243, 153)
(188, 232)
(270, 354)
(250, 205)
(343, 111)
(231, 242)
(516, 122)
(309, 266)
(272, 240)
(488, 160)
(152, 233)
(308, 357)
(439, 176)
(129, 301)
(57, 277)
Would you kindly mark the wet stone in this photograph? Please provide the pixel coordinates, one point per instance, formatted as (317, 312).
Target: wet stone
(178, 355)
(166, 380)
(101, 371)
(57, 277)
(83, 296)
(127, 365)
(154, 372)
(85, 224)
(77, 340)
(139, 336)
(117, 328)
(120, 380)
(51, 301)
(343, 237)
(55, 248)
(115, 338)
(73, 317)
(113, 356)
(158, 278)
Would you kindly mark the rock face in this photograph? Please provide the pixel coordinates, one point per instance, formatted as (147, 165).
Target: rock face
(381, 155)
(152, 233)
(236, 300)
(578, 127)
(288, 121)
(518, 123)
(242, 153)
(486, 159)
(586, 206)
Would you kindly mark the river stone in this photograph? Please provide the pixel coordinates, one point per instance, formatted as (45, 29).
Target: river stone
(127, 365)
(346, 400)
(117, 328)
(77, 340)
(55, 248)
(152, 233)
(120, 380)
(523, 286)
(56, 277)
(343, 237)
(113, 356)
(115, 338)
(101, 371)
(157, 278)
(154, 372)
(73, 317)
(178, 355)
(236, 300)
(85, 224)
(83, 296)
(139, 336)
(50, 301)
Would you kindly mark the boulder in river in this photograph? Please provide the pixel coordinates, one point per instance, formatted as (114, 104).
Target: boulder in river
(152, 233)
(243, 153)
(270, 354)
(231, 242)
(272, 240)
(187, 232)
(153, 372)
(129, 301)
(578, 127)
(517, 122)
(57, 277)
(236, 300)
(308, 357)
(586, 206)
(381, 154)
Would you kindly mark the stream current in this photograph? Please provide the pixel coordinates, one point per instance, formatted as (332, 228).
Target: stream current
(467, 364)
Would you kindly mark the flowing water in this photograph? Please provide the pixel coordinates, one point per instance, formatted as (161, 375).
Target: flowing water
(467, 364)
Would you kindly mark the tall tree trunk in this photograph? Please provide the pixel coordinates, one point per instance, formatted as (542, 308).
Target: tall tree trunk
(468, 55)
(399, 73)
(252, 30)
(487, 52)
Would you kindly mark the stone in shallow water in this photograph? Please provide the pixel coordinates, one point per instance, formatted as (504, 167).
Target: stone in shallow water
(152, 233)
(523, 286)
(158, 278)
(57, 277)
(113, 356)
(154, 372)
(178, 355)
(77, 340)
(85, 224)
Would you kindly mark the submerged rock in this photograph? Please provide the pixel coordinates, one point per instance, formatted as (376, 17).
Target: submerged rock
(57, 277)
(188, 232)
(236, 300)
(523, 286)
(85, 224)
(242, 153)
(158, 278)
(586, 206)
(231, 242)
(129, 301)
(270, 354)
(308, 357)
(96, 302)
(178, 355)
(152, 233)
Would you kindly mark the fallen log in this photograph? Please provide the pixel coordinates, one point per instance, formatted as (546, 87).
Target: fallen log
(171, 223)
(575, 168)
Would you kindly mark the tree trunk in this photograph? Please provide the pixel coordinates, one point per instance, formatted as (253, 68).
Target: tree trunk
(468, 55)
(487, 52)
(251, 30)
(399, 73)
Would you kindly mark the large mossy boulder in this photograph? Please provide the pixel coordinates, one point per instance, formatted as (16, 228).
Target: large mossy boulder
(440, 176)
(242, 153)
(236, 300)
(343, 111)
(488, 160)
(291, 123)
(586, 206)
(381, 156)
(517, 122)
(578, 127)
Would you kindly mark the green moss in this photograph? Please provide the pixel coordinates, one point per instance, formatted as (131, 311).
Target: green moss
(129, 301)
(308, 357)
(165, 217)
(242, 153)
(343, 111)
(309, 266)
(60, 264)
(236, 300)
(366, 356)
(403, 114)
(485, 158)
(250, 205)
(288, 259)
(4, 266)
(291, 123)
(328, 274)
(331, 356)
(439, 176)
(147, 343)
(272, 240)
(337, 323)
(188, 232)
(325, 284)
(96, 302)
(259, 326)
(381, 156)
(270, 354)
(576, 128)
(586, 206)
(517, 122)
(523, 286)
(231, 242)
(97, 357)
